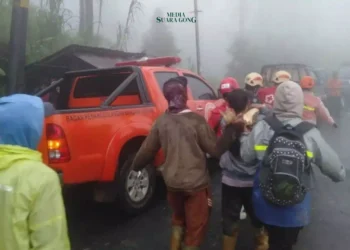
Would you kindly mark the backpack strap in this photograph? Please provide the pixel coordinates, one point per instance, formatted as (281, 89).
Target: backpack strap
(304, 127)
(274, 123)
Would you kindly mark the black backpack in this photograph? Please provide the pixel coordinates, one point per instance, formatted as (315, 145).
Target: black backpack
(286, 166)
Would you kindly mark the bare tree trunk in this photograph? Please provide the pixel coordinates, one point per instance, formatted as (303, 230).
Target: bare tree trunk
(99, 17)
(89, 18)
(82, 17)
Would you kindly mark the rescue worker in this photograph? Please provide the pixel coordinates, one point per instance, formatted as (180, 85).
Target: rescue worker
(215, 118)
(313, 105)
(237, 183)
(185, 137)
(283, 223)
(266, 95)
(252, 83)
(32, 210)
(334, 87)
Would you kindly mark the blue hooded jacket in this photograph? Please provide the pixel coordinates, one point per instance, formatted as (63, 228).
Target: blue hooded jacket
(32, 209)
(21, 120)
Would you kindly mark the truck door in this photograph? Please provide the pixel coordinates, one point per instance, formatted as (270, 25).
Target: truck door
(203, 95)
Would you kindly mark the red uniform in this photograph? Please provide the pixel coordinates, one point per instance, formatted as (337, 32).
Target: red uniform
(267, 95)
(215, 118)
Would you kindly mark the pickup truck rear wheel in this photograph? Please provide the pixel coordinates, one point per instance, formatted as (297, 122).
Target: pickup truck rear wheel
(135, 189)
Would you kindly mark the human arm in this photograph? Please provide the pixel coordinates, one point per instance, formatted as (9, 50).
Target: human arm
(148, 149)
(327, 159)
(47, 218)
(249, 142)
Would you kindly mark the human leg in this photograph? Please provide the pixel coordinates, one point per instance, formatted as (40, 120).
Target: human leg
(261, 236)
(197, 211)
(282, 238)
(231, 205)
(176, 201)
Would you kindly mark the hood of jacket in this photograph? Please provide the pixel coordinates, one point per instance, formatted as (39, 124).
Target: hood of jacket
(289, 100)
(21, 125)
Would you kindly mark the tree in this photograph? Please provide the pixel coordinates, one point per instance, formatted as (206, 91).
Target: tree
(159, 40)
(123, 31)
(86, 19)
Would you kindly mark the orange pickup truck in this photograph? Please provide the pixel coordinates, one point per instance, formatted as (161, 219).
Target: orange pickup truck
(102, 118)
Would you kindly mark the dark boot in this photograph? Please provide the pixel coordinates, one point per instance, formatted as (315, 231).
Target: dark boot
(229, 242)
(176, 238)
(261, 240)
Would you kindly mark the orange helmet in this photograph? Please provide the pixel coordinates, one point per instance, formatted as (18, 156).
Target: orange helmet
(307, 82)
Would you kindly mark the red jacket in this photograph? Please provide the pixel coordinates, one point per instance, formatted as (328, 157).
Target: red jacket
(267, 95)
(313, 108)
(215, 118)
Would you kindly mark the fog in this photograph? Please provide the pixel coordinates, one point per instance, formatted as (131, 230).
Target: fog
(312, 32)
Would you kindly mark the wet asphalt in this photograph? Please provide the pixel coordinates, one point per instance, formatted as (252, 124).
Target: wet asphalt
(95, 226)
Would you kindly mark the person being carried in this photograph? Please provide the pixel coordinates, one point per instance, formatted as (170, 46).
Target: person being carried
(286, 147)
(313, 105)
(185, 138)
(32, 211)
(267, 95)
(215, 118)
(237, 182)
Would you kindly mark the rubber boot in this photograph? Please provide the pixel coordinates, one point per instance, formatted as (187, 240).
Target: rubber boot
(176, 238)
(190, 248)
(229, 242)
(261, 240)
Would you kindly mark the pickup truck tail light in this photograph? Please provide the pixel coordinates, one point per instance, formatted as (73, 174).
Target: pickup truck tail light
(57, 145)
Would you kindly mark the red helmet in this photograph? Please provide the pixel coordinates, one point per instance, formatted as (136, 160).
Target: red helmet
(228, 84)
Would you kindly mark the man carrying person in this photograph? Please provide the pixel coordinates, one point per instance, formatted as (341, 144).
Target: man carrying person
(286, 147)
(237, 182)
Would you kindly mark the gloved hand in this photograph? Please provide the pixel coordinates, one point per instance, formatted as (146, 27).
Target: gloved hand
(335, 125)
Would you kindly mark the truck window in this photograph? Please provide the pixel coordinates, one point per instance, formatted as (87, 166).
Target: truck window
(103, 86)
(162, 77)
(199, 89)
(91, 91)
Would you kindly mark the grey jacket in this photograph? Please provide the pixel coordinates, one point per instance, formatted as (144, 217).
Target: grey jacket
(254, 144)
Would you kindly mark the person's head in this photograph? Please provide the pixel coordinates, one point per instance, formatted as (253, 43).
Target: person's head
(289, 100)
(281, 76)
(22, 120)
(227, 85)
(238, 100)
(253, 81)
(175, 92)
(307, 83)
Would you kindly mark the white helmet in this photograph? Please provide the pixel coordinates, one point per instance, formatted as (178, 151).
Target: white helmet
(254, 79)
(281, 76)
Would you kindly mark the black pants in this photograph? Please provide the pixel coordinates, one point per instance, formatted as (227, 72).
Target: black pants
(282, 238)
(233, 198)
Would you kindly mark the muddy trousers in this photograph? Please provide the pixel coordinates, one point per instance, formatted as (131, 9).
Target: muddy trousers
(191, 212)
(282, 238)
(232, 201)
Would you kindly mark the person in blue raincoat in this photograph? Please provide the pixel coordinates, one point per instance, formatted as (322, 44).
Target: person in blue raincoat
(284, 223)
(32, 214)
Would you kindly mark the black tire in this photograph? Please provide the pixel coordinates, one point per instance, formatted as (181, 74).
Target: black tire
(123, 199)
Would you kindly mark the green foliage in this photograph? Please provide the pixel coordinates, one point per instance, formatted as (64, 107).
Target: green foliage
(48, 29)
(159, 40)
